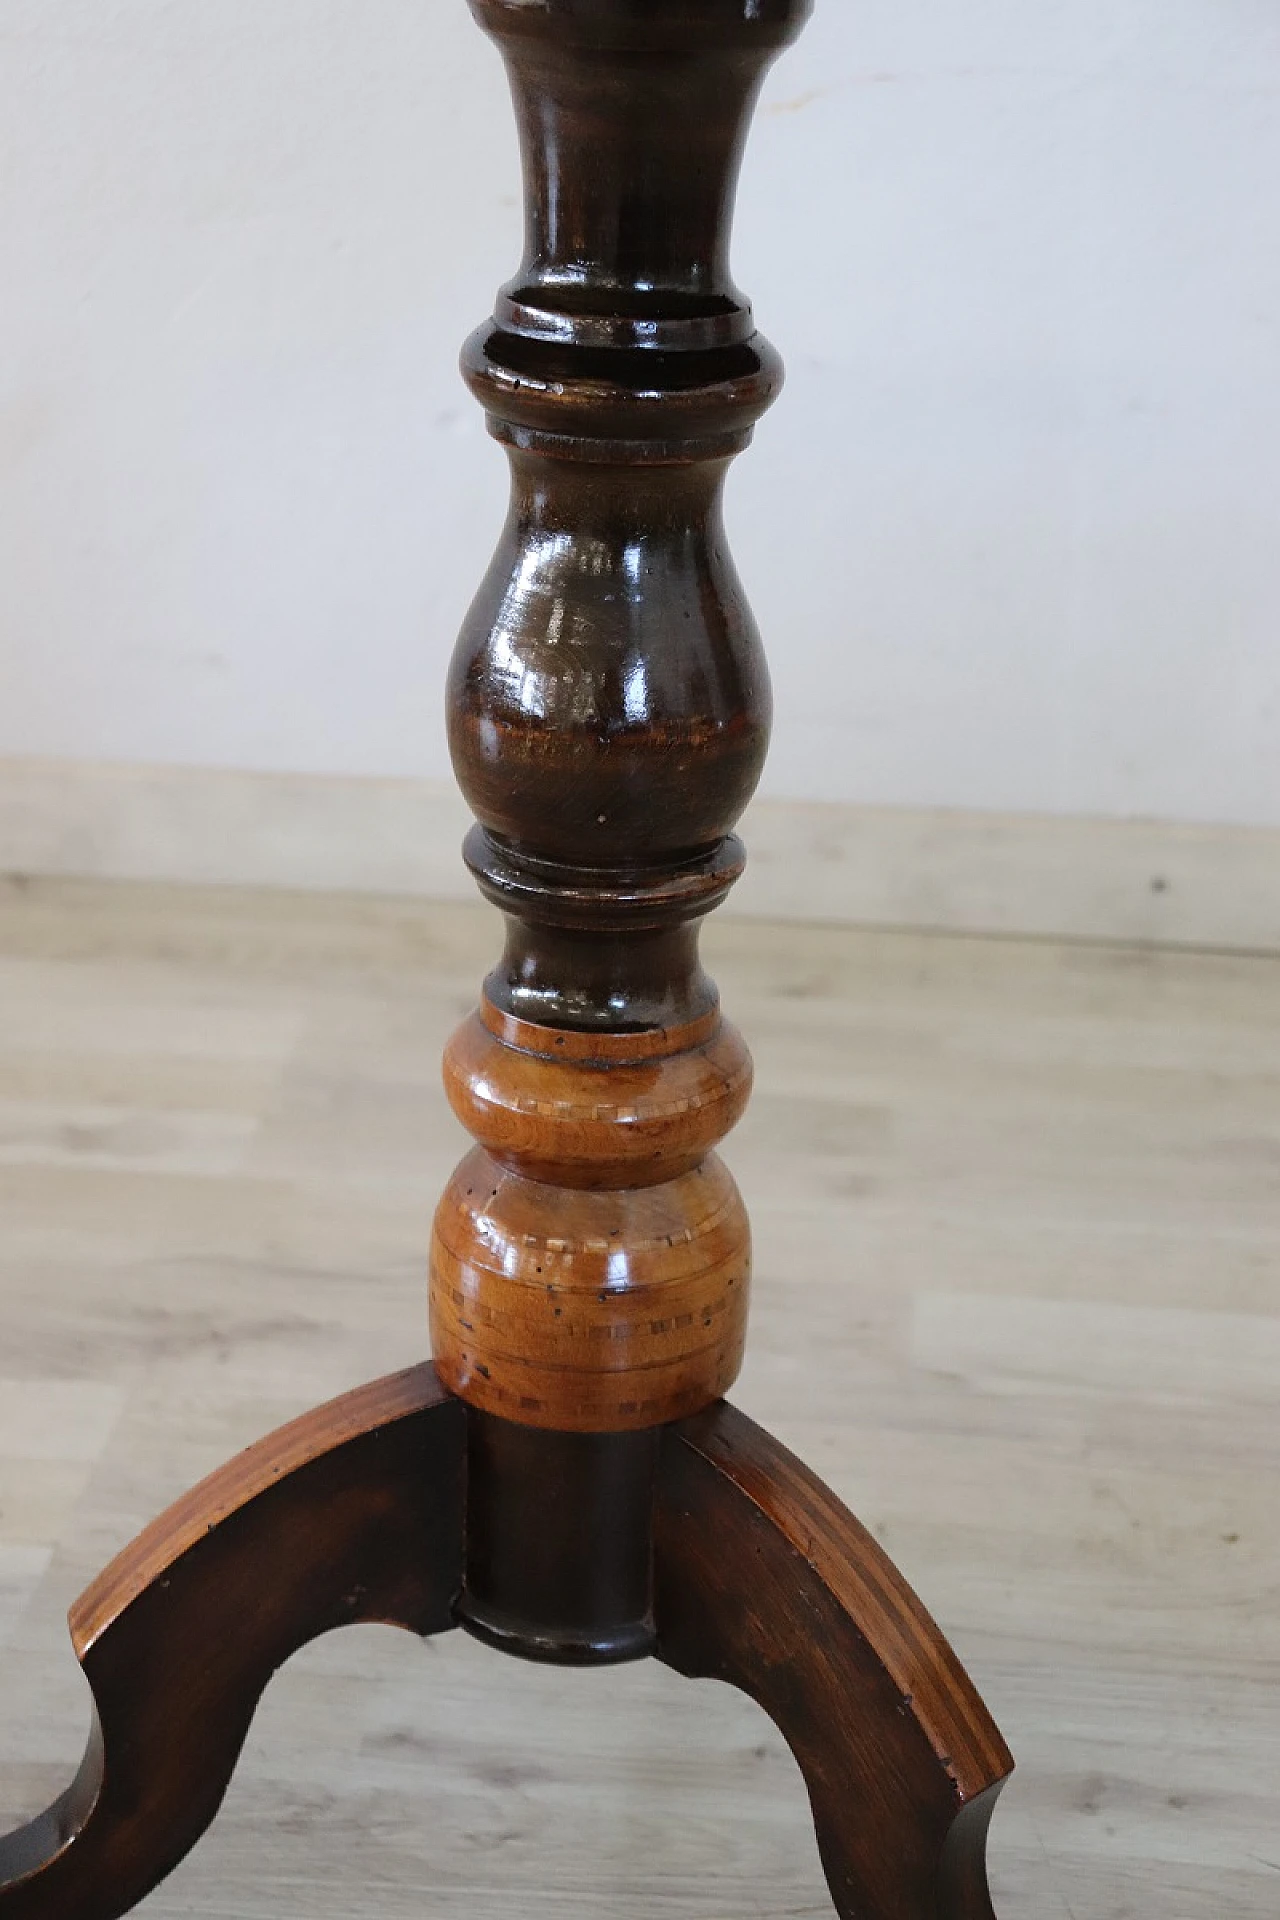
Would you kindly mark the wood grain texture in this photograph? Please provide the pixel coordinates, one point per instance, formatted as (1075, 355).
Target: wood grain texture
(587, 1310)
(631, 1118)
(609, 712)
(352, 1513)
(1016, 1299)
(764, 1580)
(591, 1259)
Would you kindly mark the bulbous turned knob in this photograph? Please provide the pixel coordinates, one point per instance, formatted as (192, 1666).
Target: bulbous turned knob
(591, 1258)
(609, 701)
(596, 1110)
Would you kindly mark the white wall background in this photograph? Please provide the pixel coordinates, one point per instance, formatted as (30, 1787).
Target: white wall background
(1011, 531)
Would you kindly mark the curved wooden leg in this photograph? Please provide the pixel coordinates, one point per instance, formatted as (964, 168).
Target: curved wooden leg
(353, 1513)
(763, 1579)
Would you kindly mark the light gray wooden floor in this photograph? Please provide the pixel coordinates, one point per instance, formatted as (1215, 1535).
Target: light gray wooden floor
(1017, 1213)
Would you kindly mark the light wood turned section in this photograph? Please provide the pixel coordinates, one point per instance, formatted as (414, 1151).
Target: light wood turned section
(591, 1259)
(619, 1119)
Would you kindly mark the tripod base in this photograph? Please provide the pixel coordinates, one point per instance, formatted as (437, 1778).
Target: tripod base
(355, 1513)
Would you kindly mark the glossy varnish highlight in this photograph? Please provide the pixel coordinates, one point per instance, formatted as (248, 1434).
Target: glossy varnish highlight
(591, 1258)
(609, 713)
(568, 1483)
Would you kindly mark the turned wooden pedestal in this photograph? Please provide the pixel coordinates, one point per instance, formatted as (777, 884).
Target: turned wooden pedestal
(567, 1481)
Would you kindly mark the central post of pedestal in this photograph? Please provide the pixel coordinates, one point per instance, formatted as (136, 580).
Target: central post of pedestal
(567, 1481)
(609, 716)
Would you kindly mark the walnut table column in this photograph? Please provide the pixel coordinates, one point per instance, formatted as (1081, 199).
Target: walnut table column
(567, 1482)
